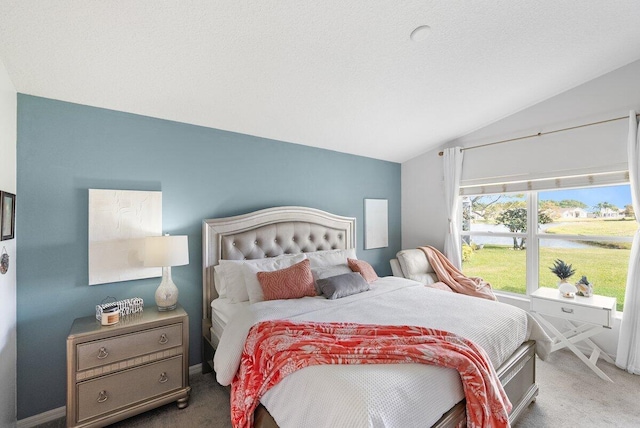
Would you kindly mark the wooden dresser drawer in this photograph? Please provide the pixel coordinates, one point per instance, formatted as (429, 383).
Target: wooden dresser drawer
(572, 312)
(109, 393)
(101, 352)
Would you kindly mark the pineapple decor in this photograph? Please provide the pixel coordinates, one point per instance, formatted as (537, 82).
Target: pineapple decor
(564, 271)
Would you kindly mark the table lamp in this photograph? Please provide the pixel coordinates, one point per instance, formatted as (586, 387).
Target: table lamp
(166, 251)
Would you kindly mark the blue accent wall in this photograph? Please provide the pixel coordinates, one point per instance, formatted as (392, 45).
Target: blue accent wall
(64, 149)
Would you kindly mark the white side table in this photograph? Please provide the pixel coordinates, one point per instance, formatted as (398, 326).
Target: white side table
(593, 315)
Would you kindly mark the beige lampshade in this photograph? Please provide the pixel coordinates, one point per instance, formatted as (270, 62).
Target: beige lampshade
(166, 250)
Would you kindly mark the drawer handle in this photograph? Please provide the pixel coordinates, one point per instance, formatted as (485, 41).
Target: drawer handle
(163, 377)
(102, 353)
(163, 339)
(102, 396)
(567, 310)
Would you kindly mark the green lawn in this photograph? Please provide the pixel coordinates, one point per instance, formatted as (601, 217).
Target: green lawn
(617, 227)
(504, 268)
(602, 227)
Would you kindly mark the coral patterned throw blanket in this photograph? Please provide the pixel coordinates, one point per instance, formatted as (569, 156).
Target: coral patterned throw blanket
(275, 349)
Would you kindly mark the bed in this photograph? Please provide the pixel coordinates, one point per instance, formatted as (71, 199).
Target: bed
(283, 232)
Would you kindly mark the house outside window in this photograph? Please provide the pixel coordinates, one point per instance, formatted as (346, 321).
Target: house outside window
(511, 239)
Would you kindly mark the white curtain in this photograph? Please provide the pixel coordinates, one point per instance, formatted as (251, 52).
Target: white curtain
(452, 159)
(628, 353)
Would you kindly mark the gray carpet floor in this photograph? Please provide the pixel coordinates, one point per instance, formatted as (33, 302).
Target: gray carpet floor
(571, 395)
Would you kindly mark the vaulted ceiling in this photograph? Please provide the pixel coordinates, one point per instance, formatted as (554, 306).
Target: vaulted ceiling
(335, 74)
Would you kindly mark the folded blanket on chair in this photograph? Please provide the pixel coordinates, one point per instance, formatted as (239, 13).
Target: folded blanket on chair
(450, 277)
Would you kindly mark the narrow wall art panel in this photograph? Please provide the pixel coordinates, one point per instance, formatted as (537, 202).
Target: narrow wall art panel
(119, 220)
(376, 223)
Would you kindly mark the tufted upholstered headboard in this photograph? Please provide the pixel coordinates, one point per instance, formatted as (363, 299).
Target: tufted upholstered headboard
(269, 233)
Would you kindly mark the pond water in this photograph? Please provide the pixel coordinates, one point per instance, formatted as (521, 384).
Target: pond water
(498, 240)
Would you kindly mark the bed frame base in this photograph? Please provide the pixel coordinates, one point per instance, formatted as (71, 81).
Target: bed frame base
(517, 375)
(208, 348)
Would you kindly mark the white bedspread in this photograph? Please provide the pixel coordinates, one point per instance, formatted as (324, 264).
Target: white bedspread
(400, 395)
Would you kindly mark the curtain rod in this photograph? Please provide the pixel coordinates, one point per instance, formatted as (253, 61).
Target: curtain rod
(540, 134)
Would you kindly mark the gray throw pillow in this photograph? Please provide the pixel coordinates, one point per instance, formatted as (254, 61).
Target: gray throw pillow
(343, 285)
(327, 271)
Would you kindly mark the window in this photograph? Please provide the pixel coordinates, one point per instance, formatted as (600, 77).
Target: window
(491, 244)
(590, 228)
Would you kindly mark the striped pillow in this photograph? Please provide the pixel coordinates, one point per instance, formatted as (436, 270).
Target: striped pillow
(293, 282)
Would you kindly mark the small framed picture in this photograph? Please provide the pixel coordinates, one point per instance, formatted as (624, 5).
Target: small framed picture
(7, 216)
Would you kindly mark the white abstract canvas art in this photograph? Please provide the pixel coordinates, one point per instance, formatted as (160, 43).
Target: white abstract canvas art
(119, 220)
(376, 223)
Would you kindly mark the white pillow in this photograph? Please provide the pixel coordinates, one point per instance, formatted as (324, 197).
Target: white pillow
(327, 272)
(233, 278)
(330, 257)
(250, 274)
(218, 279)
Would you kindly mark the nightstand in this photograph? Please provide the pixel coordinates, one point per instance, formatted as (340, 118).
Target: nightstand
(117, 371)
(592, 315)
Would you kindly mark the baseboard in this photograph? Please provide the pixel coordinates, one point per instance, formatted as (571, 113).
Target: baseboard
(195, 369)
(60, 412)
(48, 416)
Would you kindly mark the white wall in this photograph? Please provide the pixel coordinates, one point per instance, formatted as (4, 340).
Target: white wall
(612, 95)
(8, 131)
(423, 217)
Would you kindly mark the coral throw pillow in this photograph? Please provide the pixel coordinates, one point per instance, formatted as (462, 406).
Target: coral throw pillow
(364, 269)
(293, 282)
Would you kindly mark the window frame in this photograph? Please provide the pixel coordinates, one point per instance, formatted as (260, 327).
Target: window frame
(534, 236)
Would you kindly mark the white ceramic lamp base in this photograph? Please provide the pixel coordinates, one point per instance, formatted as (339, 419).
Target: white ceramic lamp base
(167, 292)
